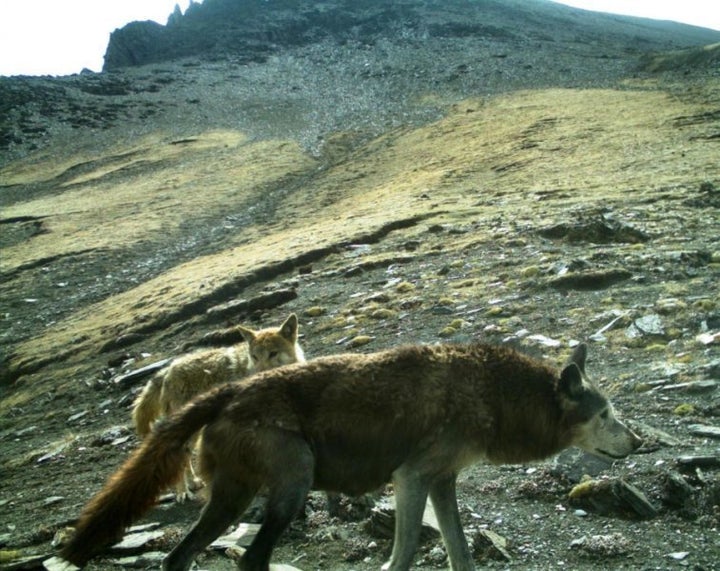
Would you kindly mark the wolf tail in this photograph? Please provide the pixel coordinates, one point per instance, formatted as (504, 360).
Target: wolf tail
(134, 488)
(146, 408)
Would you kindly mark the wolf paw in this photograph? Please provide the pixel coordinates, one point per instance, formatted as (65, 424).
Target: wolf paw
(182, 496)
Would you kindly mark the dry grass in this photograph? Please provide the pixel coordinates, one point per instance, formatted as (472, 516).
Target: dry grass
(146, 192)
(487, 157)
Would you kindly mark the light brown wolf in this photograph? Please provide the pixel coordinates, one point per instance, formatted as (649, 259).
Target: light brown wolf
(412, 415)
(190, 375)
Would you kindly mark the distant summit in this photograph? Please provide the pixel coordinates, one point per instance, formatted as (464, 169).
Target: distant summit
(251, 30)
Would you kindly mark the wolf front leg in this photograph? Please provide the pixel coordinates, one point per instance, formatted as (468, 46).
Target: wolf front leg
(411, 491)
(444, 501)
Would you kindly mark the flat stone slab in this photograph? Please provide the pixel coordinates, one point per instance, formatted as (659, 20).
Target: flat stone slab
(242, 535)
(705, 430)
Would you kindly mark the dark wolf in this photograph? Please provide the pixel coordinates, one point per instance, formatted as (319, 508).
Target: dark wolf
(414, 416)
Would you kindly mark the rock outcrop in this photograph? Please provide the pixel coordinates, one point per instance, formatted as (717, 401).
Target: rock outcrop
(250, 30)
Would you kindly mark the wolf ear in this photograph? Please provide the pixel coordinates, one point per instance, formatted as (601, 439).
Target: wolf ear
(289, 328)
(571, 381)
(579, 355)
(248, 334)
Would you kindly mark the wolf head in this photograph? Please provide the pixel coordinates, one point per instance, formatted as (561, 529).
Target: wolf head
(274, 346)
(593, 422)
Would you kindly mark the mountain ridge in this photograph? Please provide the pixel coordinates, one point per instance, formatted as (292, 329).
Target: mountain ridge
(253, 30)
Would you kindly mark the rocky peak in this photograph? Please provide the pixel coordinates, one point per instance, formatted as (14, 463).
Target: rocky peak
(250, 30)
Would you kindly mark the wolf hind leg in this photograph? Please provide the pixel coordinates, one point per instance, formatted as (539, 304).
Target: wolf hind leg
(444, 501)
(290, 464)
(411, 491)
(228, 500)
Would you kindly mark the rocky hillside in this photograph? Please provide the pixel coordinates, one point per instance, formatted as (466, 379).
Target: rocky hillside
(517, 173)
(253, 30)
(352, 66)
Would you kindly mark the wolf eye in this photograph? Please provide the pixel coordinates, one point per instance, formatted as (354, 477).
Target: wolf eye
(605, 414)
(273, 354)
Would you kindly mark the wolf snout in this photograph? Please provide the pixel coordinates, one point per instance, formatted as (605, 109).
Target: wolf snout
(624, 443)
(635, 441)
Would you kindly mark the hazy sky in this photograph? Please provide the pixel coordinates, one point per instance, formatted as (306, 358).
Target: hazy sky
(60, 37)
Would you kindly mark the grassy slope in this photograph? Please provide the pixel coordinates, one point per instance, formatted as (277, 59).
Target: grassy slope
(486, 157)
